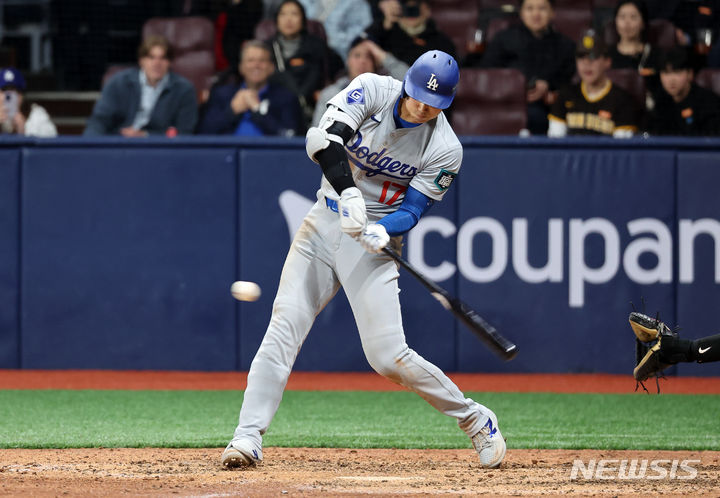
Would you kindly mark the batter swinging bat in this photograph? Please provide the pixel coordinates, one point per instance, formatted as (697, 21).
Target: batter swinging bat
(477, 325)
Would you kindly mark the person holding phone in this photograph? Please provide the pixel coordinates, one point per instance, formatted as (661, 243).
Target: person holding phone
(16, 115)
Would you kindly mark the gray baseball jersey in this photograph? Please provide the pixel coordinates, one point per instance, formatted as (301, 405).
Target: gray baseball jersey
(386, 159)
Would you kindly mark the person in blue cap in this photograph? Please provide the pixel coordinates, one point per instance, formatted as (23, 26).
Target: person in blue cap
(18, 116)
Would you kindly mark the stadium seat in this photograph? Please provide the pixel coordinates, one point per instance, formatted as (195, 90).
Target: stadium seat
(192, 41)
(458, 19)
(574, 4)
(631, 81)
(661, 33)
(506, 5)
(498, 24)
(572, 22)
(709, 78)
(489, 102)
(112, 70)
(265, 29)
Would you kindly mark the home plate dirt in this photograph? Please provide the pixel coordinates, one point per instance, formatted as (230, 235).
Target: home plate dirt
(349, 472)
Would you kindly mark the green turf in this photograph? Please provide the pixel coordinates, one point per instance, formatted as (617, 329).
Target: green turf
(59, 419)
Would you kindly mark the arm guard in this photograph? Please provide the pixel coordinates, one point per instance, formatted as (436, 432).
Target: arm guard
(408, 214)
(326, 147)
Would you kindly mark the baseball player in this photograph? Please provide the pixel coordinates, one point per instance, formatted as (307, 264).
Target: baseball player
(387, 153)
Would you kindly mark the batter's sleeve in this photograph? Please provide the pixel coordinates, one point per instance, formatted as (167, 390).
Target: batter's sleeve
(442, 168)
(363, 97)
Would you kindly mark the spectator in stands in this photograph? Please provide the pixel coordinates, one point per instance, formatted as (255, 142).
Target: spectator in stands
(233, 26)
(343, 20)
(594, 106)
(633, 51)
(17, 116)
(256, 106)
(151, 100)
(364, 57)
(299, 54)
(682, 107)
(407, 30)
(542, 54)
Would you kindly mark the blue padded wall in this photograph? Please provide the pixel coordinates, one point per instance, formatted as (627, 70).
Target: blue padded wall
(9, 258)
(128, 257)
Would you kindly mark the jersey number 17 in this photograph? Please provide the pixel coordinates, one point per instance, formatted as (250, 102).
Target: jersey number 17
(386, 187)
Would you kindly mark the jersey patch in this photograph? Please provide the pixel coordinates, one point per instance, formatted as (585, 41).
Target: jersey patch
(445, 179)
(356, 96)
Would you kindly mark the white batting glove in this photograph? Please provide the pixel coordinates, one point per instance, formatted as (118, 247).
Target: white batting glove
(374, 238)
(351, 208)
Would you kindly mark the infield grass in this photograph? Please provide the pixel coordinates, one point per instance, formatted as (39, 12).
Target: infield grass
(87, 418)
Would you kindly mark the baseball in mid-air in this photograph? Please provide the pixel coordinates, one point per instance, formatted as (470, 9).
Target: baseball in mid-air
(245, 291)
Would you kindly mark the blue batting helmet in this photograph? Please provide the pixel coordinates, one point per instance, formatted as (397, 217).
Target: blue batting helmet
(432, 79)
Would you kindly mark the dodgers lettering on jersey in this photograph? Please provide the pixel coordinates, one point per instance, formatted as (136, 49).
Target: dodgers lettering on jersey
(385, 160)
(374, 163)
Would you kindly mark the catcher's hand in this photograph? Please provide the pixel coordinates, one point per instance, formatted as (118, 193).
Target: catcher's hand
(649, 358)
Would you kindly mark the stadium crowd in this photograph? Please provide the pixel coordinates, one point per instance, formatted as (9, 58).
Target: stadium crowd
(590, 67)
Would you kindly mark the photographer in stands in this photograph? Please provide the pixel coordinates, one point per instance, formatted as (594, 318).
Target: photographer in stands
(16, 115)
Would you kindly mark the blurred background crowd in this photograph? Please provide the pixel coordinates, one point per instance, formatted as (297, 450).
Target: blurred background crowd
(268, 67)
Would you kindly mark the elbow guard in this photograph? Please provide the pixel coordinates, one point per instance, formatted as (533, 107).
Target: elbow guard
(326, 147)
(317, 140)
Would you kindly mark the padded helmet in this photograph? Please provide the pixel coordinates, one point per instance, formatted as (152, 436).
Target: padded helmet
(432, 79)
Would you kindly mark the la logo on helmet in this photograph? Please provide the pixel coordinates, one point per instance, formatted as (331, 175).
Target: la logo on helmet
(432, 83)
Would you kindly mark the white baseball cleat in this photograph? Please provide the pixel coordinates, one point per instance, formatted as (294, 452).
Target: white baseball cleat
(241, 453)
(489, 443)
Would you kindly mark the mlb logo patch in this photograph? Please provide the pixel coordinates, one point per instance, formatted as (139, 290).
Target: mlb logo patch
(356, 96)
(444, 179)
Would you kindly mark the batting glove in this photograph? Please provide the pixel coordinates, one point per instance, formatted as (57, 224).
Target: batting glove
(374, 238)
(351, 208)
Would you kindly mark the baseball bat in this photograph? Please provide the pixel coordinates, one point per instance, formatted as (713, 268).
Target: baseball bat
(488, 334)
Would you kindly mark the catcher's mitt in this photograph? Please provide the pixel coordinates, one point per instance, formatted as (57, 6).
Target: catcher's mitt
(647, 329)
(648, 357)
